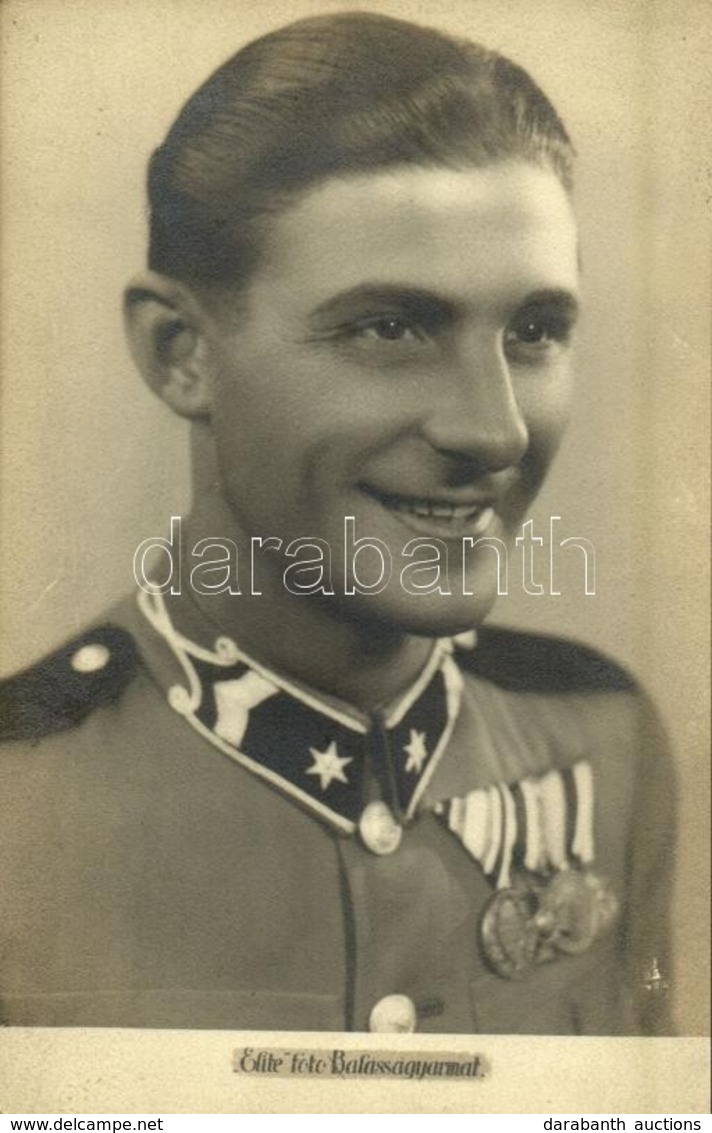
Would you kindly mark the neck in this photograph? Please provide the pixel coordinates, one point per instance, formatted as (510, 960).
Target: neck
(307, 638)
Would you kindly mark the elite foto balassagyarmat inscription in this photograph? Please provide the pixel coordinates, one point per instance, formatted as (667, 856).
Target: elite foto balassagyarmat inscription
(282, 1063)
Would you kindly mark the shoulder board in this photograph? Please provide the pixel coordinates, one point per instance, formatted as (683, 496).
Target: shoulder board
(63, 688)
(527, 662)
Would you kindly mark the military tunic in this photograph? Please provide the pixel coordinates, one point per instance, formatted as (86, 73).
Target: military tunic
(190, 841)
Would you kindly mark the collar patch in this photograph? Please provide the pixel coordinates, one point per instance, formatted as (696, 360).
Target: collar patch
(309, 749)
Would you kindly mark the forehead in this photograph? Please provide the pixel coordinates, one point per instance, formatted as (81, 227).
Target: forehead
(501, 227)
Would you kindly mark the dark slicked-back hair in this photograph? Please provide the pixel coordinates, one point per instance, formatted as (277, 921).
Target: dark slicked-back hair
(331, 95)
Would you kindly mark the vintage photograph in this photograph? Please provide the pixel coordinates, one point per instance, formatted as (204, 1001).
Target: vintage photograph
(354, 498)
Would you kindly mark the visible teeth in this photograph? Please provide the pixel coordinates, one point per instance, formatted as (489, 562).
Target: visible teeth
(440, 509)
(431, 509)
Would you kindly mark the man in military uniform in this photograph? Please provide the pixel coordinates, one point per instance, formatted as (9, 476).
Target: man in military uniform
(330, 798)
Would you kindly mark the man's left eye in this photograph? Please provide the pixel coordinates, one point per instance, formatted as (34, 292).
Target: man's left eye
(533, 333)
(530, 331)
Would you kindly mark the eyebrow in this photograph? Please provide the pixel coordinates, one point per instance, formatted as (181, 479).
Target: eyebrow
(418, 301)
(411, 299)
(553, 297)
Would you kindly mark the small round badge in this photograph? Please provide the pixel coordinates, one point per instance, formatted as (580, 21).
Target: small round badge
(392, 1015)
(90, 658)
(380, 833)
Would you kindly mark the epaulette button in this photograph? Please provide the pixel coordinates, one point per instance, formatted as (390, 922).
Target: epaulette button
(90, 658)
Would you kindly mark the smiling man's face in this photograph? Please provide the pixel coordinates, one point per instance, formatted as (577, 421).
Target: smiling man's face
(404, 359)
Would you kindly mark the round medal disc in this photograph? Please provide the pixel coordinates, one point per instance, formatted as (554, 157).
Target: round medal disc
(573, 904)
(508, 933)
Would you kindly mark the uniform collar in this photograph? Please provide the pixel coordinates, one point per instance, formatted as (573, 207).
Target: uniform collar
(329, 758)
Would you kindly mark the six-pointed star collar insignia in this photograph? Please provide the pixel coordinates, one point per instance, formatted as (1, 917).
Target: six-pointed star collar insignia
(307, 748)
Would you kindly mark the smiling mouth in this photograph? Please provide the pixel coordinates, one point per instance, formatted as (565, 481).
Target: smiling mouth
(436, 516)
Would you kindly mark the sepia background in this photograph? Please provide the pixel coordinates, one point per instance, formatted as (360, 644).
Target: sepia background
(92, 464)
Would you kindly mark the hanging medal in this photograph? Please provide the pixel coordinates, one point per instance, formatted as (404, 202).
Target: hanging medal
(534, 841)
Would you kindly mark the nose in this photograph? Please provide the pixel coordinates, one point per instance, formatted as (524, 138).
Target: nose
(475, 413)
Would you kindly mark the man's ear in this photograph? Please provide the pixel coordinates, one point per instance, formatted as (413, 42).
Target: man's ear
(163, 327)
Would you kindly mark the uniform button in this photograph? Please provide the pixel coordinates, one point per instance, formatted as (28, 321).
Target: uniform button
(380, 832)
(393, 1015)
(90, 658)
